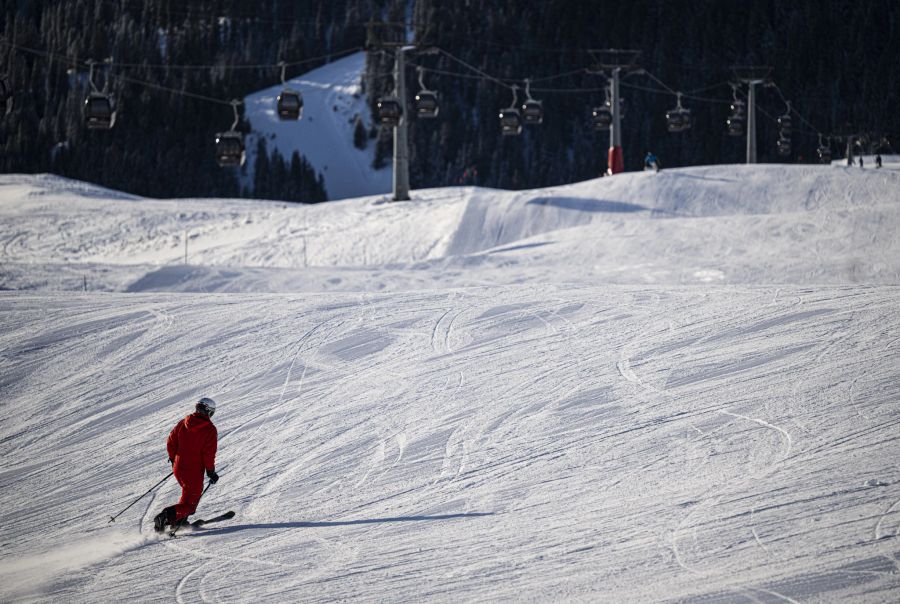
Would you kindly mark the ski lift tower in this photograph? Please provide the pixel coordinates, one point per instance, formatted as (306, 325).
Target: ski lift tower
(382, 36)
(618, 64)
(751, 75)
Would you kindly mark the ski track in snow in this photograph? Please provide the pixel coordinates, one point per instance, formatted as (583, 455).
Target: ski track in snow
(661, 387)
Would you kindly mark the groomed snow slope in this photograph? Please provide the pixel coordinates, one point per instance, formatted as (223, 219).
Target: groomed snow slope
(664, 387)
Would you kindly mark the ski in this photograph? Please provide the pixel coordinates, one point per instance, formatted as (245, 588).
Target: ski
(225, 516)
(198, 523)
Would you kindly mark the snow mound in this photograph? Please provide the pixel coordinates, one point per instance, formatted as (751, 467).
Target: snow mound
(727, 224)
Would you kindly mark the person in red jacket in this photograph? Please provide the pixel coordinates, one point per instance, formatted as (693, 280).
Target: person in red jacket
(192, 449)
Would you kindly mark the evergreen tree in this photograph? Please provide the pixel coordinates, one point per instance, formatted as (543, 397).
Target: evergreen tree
(360, 139)
(262, 174)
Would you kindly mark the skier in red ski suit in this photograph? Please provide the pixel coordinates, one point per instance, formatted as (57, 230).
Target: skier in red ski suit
(192, 449)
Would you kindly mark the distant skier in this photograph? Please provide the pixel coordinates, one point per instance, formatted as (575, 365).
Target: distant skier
(878, 160)
(860, 161)
(651, 162)
(192, 448)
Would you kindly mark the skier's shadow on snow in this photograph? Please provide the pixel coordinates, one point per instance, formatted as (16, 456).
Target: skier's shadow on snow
(328, 524)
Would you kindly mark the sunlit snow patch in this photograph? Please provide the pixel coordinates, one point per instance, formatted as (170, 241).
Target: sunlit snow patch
(709, 275)
(27, 574)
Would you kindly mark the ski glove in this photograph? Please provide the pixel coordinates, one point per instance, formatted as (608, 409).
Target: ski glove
(213, 477)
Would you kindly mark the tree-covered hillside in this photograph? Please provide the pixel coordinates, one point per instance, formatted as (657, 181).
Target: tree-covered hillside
(834, 60)
(162, 143)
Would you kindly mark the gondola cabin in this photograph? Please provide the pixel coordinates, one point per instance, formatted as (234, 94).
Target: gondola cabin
(784, 122)
(99, 112)
(533, 112)
(824, 154)
(678, 120)
(510, 122)
(674, 122)
(230, 149)
(427, 104)
(735, 125)
(601, 118)
(389, 111)
(783, 146)
(290, 105)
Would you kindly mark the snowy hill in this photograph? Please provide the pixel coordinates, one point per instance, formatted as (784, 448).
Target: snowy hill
(333, 99)
(651, 387)
(726, 224)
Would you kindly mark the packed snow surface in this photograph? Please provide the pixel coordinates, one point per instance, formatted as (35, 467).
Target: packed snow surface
(653, 387)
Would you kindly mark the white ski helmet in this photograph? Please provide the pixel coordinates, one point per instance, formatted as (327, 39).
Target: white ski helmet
(206, 405)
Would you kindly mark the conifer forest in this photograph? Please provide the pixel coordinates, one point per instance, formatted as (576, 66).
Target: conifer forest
(836, 61)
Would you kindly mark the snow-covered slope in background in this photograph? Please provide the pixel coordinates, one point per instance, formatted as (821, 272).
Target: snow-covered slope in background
(726, 224)
(654, 387)
(333, 99)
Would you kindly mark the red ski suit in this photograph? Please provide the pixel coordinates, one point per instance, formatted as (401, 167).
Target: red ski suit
(192, 444)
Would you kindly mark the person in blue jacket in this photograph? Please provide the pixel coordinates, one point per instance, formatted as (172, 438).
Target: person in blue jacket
(651, 162)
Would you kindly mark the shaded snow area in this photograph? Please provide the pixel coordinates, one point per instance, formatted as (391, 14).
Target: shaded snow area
(333, 99)
(646, 388)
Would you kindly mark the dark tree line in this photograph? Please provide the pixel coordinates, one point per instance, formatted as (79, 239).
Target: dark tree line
(162, 144)
(836, 60)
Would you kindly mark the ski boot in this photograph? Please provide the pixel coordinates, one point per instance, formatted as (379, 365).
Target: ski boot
(164, 518)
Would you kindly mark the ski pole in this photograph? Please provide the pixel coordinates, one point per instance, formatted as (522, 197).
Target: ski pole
(208, 484)
(112, 518)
